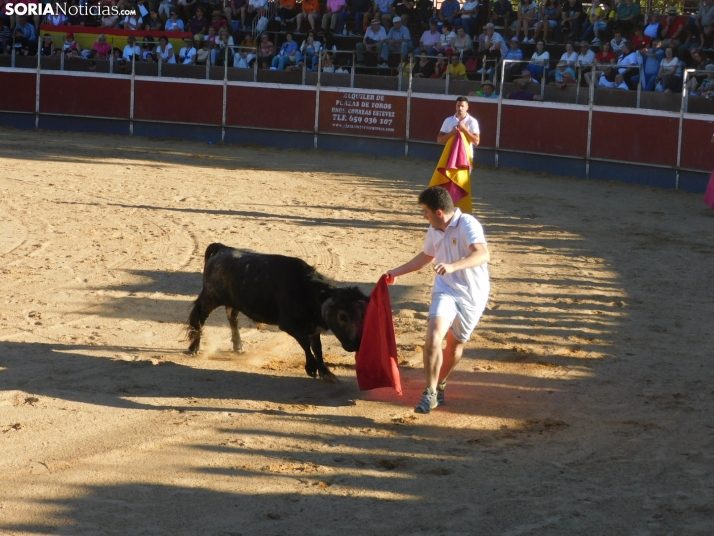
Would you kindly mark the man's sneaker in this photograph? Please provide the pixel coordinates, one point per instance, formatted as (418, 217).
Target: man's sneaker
(428, 401)
(596, 41)
(440, 394)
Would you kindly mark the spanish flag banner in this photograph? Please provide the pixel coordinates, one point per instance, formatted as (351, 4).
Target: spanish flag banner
(453, 172)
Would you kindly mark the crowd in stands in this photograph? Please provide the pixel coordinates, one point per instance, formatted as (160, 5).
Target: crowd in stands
(609, 43)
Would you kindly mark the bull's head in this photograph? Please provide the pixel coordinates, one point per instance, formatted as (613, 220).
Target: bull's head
(344, 313)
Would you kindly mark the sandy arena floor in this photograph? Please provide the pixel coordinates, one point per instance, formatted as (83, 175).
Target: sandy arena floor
(583, 404)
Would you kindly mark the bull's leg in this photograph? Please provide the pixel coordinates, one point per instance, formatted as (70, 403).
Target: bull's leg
(232, 315)
(202, 308)
(304, 340)
(325, 374)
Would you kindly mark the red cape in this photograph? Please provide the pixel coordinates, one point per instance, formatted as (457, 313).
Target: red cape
(377, 355)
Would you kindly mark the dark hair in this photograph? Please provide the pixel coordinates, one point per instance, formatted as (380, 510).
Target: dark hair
(461, 98)
(448, 25)
(437, 198)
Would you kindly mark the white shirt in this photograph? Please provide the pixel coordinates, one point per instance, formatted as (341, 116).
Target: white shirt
(586, 59)
(469, 122)
(471, 285)
(128, 52)
(187, 54)
(165, 54)
(571, 59)
(630, 59)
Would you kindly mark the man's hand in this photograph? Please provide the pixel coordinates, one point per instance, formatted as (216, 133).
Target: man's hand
(443, 268)
(390, 278)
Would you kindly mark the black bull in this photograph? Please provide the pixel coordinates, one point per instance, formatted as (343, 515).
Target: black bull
(282, 291)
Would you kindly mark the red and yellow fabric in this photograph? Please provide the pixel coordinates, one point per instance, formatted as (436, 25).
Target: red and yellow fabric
(86, 36)
(453, 172)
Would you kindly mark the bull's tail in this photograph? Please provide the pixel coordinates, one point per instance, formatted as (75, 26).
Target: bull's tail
(211, 250)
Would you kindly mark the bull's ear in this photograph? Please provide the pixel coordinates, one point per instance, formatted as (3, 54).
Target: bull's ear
(326, 307)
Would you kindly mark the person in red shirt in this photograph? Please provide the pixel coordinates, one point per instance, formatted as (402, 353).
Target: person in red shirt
(639, 40)
(673, 28)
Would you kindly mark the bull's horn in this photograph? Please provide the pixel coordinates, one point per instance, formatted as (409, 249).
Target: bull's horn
(325, 306)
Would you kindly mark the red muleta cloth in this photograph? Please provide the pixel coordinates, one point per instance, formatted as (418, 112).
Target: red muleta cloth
(377, 355)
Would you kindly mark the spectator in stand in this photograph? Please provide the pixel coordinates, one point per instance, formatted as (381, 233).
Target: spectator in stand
(203, 54)
(211, 38)
(187, 55)
(447, 34)
(131, 22)
(101, 48)
(198, 25)
(456, 69)
(154, 23)
(562, 74)
(424, 68)
(627, 14)
(448, 10)
(669, 78)
(266, 50)
(551, 14)
(165, 51)
(217, 21)
(627, 58)
(20, 45)
(355, 9)
(491, 44)
(440, 66)
(653, 30)
(185, 9)
(166, 7)
(429, 39)
(673, 28)
(287, 54)
(398, 40)
(652, 57)
(572, 14)
(310, 11)
(47, 48)
(502, 14)
(705, 88)
(131, 49)
(286, 12)
(309, 52)
(372, 41)
(223, 47)
(333, 8)
(639, 40)
(108, 20)
(462, 42)
(174, 24)
(523, 93)
(604, 60)
(247, 52)
(539, 62)
(691, 39)
(402, 9)
(70, 45)
(487, 90)
(382, 10)
(704, 21)
(5, 35)
(570, 57)
(28, 30)
(467, 16)
(595, 23)
(425, 12)
(56, 20)
(586, 58)
(617, 43)
(148, 52)
(76, 18)
(513, 53)
(526, 17)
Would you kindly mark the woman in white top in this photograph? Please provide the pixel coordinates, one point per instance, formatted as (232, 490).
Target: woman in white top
(539, 61)
(187, 55)
(56, 20)
(569, 56)
(222, 40)
(527, 10)
(669, 78)
(309, 50)
(165, 50)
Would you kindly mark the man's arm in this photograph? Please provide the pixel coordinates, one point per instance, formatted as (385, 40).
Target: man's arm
(443, 137)
(417, 263)
(470, 136)
(479, 255)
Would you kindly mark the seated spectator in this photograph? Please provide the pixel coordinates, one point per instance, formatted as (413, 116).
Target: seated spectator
(266, 50)
(356, 10)
(21, 46)
(596, 22)
(70, 45)
(131, 22)
(398, 40)
(513, 53)
(440, 66)
(425, 12)
(76, 17)
(287, 54)
(310, 11)
(109, 21)
(148, 49)
(92, 66)
(523, 94)
(372, 41)
(222, 47)
(28, 30)
(5, 37)
(166, 7)
(174, 24)
(246, 54)
(456, 69)
(550, 18)
(203, 54)
(56, 20)
(165, 51)
(627, 58)
(651, 59)
(198, 25)
(705, 88)
(381, 10)
(286, 12)
(309, 52)
(639, 40)
(669, 78)
(492, 45)
(604, 59)
(211, 37)
(487, 90)
(154, 22)
(617, 83)
(571, 15)
(131, 50)
(539, 62)
(627, 14)
(467, 16)
(407, 66)
(653, 29)
(403, 9)
(673, 28)
(47, 48)
(327, 65)
(333, 8)
(525, 19)
(253, 9)
(462, 42)
(429, 39)
(502, 14)
(586, 58)
(447, 34)
(448, 10)
(424, 68)
(187, 55)
(341, 69)
(617, 43)
(101, 48)
(563, 74)
(185, 9)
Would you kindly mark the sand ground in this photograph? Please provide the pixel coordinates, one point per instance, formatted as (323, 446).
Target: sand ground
(583, 403)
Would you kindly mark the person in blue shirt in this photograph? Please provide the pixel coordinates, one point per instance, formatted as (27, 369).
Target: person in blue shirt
(514, 52)
(287, 53)
(28, 30)
(448, 10)
(398, 40)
